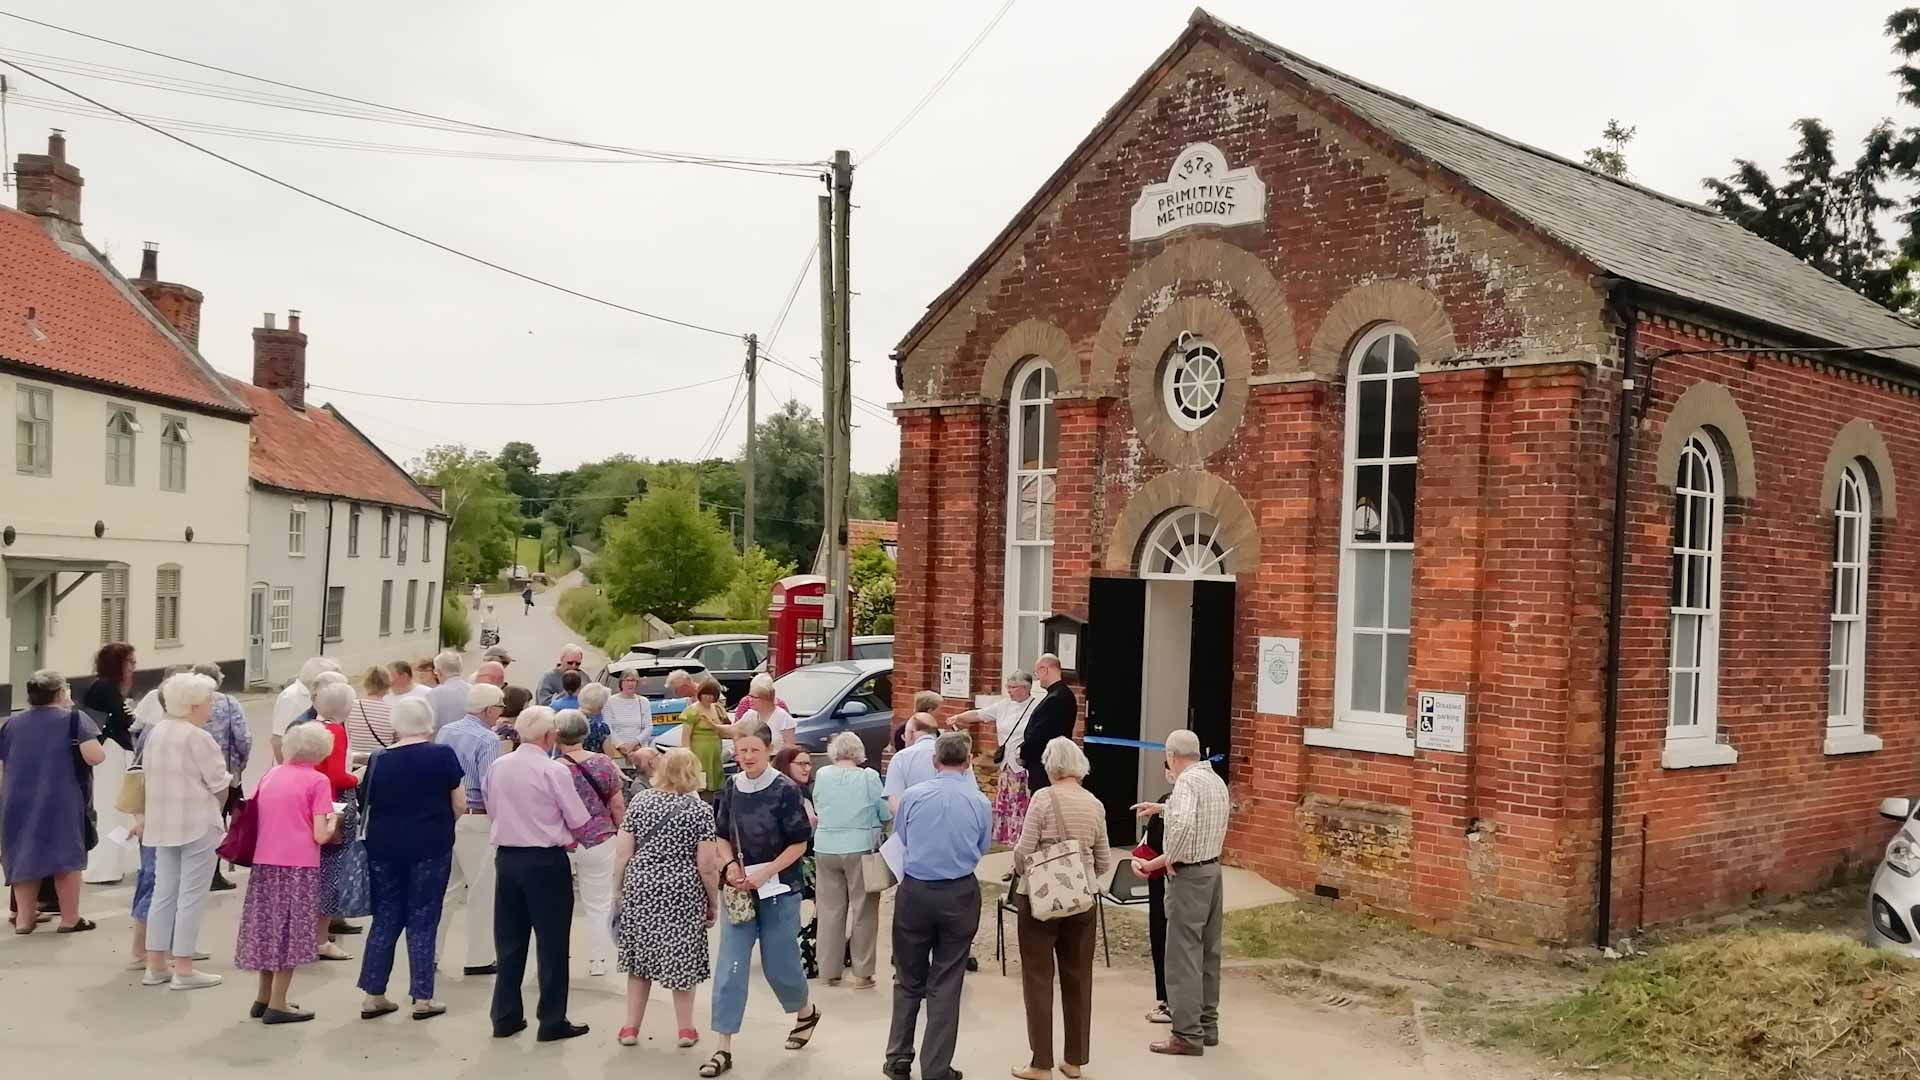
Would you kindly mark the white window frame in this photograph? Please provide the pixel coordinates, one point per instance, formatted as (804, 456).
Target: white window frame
(386, 532)
(1169, 552)
(33, 432)
(167, 589)
(1205, 376)
(386, 608)
(1045, 480)
(333, 616)
(1847, 615)
(123, 446)
(174, 438)
(413, 599)
(115, 598)
(426, 538)
(1373, 730)
(297, 529)
(1694, 744)
(402, 559)
(280, 618)
(353, 531)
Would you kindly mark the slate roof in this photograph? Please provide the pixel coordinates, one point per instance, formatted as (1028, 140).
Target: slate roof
(1668, 245)
(89, 325)
(317, 452)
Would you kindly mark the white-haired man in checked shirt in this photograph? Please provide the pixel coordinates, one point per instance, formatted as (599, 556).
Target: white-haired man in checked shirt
(1196, 828)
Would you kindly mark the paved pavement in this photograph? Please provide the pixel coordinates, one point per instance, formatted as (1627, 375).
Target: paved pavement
(68, 1007)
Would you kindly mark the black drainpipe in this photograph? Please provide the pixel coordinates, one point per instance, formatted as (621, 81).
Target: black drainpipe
(1622, 304)
(326, 581)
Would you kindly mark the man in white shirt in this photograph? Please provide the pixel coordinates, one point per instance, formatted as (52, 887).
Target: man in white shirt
(449, 699)
(297, 698)
(404, 686)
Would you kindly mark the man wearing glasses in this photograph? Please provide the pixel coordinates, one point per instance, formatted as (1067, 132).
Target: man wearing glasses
(571, 658)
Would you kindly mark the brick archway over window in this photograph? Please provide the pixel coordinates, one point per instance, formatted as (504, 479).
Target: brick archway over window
(1028, 338)
(1860, 441)
(1709, 406)
(1239, 533)
(1402, 302)
(1211, 321)
(1197, 259)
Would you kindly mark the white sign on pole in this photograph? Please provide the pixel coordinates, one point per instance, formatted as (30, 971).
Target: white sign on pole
(956, 675)
(1442, 723)
(1200, 190)
(1279, 676)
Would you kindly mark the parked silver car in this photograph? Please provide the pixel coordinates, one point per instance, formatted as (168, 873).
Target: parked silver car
(1893, 903)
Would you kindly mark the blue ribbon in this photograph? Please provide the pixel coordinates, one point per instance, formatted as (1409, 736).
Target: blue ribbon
(1103, 740)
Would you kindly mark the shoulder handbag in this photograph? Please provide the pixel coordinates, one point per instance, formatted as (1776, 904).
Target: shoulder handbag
(740, 905)
(132, 798)
(591, 786)
(83, 775)
(875, 874)
(361, 706)
(243, 832)
(1059, 881)
(1000, 752)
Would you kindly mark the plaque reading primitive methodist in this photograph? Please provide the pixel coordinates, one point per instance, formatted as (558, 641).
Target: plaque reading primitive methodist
(1200, 190)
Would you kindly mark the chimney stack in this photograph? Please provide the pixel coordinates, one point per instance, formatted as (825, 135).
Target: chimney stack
(280, 359)
(47, 186)
(178, 304)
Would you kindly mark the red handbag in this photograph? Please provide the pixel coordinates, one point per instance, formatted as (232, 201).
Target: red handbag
(1146, 854)
(243, 833)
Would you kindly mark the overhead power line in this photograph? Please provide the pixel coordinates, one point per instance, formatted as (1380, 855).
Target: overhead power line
(369, 218)
(939, 84)
(873, 407)
(522, 404)
(686, 158)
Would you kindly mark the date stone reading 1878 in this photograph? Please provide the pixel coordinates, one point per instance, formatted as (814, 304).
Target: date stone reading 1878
(1200, 190)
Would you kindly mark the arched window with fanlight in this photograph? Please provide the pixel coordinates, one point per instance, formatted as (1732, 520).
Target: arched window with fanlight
(1187, 543)
(1376, 537)
(1033, 441)
(1694, 605)
(1847, 650)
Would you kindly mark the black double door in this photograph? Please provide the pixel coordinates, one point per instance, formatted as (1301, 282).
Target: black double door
(1112, 669)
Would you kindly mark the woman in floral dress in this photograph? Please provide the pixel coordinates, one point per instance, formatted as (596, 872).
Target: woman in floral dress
(667, 892)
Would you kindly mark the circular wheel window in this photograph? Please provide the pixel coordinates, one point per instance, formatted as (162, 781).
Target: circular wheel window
(1193, 383)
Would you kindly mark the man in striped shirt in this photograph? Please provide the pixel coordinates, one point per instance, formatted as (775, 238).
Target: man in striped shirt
(1195, 816)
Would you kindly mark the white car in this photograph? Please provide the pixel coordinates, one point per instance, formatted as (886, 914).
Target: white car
(1893, 903)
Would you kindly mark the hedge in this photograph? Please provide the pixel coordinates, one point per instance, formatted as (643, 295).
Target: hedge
(721, 626)
(455, 630)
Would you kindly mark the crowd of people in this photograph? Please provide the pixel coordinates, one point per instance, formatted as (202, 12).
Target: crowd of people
(419, 787)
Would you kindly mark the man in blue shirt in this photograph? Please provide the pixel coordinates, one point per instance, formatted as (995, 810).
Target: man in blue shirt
(945, 825)
(914, 763)
(475, 744)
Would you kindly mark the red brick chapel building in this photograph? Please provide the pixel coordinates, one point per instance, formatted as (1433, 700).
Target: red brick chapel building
(1305, 398)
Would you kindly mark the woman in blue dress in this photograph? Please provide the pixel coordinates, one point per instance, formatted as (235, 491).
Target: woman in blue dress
(43, 800)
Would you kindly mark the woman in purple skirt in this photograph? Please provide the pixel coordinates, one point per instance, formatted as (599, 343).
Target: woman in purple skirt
(294, 804)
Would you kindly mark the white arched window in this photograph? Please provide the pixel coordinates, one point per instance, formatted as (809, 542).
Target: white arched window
(1186, 543)
(1847, 654)
(1033, 440)
(1376, 537)
(1693, 663)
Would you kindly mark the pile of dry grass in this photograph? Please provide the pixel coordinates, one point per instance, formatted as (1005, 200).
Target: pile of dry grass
(1766, 1006)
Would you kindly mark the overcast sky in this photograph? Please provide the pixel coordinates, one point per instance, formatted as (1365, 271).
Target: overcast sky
(1704, 82)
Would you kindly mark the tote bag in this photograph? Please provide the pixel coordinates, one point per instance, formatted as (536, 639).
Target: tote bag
(1059, 881)
(243, 832)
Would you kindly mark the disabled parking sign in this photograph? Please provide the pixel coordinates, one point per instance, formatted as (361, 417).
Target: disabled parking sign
(1441, 723)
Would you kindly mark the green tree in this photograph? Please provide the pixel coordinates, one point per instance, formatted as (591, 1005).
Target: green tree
(787, 482)
(870, 574)
(1610, 156)
(482, 512)
(610, 486)
(752, 584)
(520, 463)
(877, 495)
(664, 556)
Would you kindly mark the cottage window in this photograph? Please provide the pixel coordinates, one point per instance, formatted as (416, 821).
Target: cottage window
(403, 539)
(426, 613)
(353, 532)
(1033, 440)
(426, 539)
(173, 454)
(413, 597)
(280, 619)
(1847, 653)
(166, 607)
(386, 533)
(1376, 540)
(335, 614)
(121, 429)
(386, 608)
(297, 528)
(33, 430)
(1193, 382)
(113, 605)
(1693, 665)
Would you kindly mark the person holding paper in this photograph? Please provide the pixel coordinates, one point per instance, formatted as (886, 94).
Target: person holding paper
(944, 825)
(761, 818)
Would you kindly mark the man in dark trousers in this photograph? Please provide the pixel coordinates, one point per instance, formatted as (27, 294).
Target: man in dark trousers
(1053, 718)
(945, 825)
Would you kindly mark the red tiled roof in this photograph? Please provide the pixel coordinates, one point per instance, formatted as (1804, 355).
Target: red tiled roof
(861, 532)
(87, 323)
(317, 452)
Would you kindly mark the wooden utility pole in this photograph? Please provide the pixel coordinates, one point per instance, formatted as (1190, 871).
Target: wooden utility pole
(829, 399)
(753, 394)
(842, 406)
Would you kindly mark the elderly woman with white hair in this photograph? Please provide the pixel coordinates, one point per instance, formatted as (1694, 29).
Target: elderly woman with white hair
(762, 706)
(296, 700)
(598, 782)
(852, 808)
(1061, 811)
(344, 889)
(293, 807)
(593, 699)
(186, 788)
(412, 794)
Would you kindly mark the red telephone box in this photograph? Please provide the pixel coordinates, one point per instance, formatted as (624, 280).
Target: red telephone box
(795, 635)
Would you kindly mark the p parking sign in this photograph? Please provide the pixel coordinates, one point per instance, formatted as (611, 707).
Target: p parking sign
(1441, 722)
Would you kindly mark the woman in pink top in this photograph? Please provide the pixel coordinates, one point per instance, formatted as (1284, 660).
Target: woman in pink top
(294, 804)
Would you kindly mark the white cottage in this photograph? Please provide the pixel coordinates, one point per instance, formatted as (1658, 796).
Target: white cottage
(348, 553)
(123, 512)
